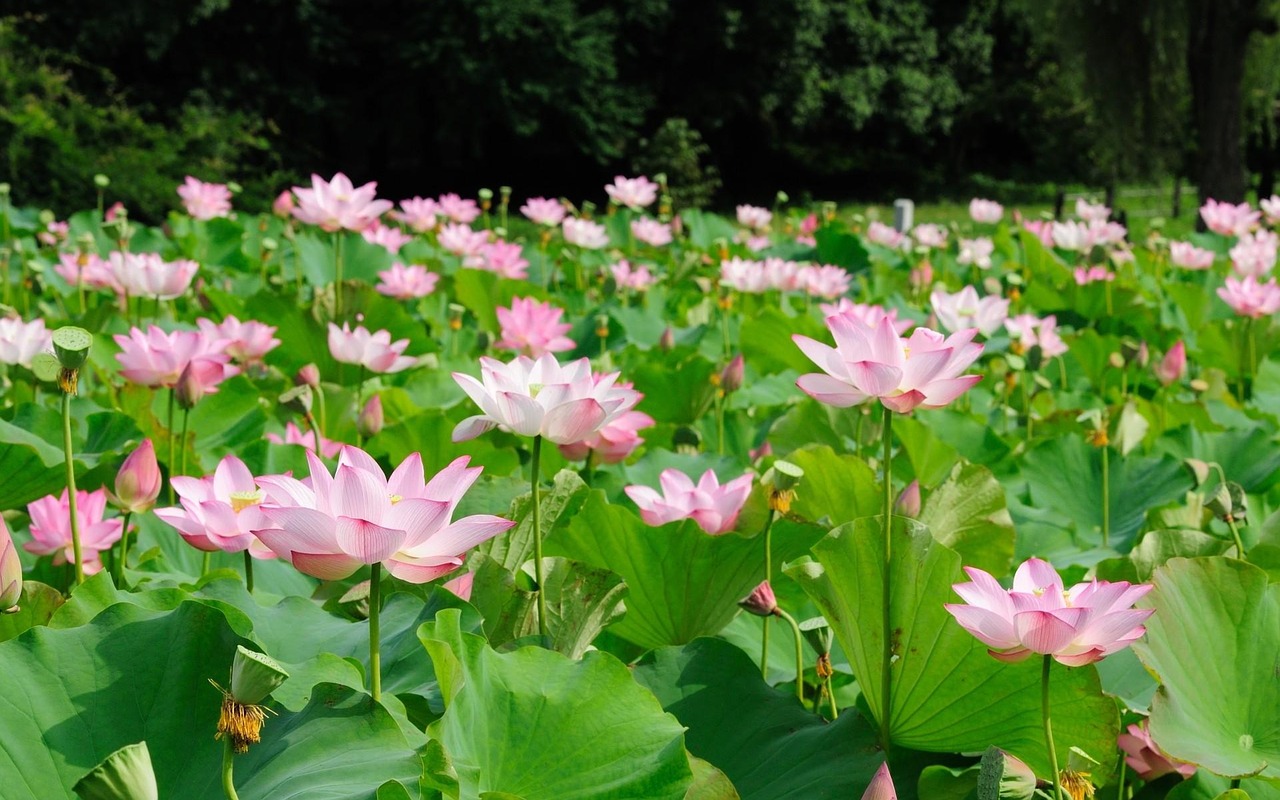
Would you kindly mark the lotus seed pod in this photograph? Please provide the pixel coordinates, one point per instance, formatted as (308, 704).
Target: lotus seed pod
(1005, 777)
(783, 476)
(71, 344)
(126, 774)
(254, 676)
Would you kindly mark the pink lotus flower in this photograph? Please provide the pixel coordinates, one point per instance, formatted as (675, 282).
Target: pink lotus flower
(1042, 229)
(977, 252)
(205, 200)
(1228, 219)
(757, 243)
(87, 269)
(156, 358)
(965, 309)
(246, 342)
(460, 240)
(929, 235)
(826, 281)
(1030, 331)
(782, 274)
(1248, 298)
(406, 283)
(338, 204)
(1173, 366)
(532, 328)
(21, 341)
(651, 232)
(149, 275)
(881, 786)
(1255, 254)
(714, 507)
(10, 571)
(634, 193)
(627, 277)
(220, 511)
(51, 528)
(419, 213)
(544, 211)
(1146, 758)
(885, 235)
(585, 233)
(117, 209)
(987, 212)
(282, 206)
(1077, 626)
(1271, 208)
(358, 516)
(1084, 276)
(1091, 212)
(374, 351)
(908, 503)
(295, 435)
(922, 371)
(54, 233)
(458, 209)
(138, 481)
(562, 403)
(505, 259)
(754, 217)
(1072, 235)
(866, 313)
(391, 239)
(617, 439)
(745, 276)
(1188, 256)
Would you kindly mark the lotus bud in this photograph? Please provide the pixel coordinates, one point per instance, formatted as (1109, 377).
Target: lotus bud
(667, 341)
(761, 601)
(126, 774)
(309, 375)
(299, 398)
(763, 451)
(138, 481)
(908, 504)
(10, 572)
(1173, 366)
(283, 205)
(1229, 502)
(190, 389)
(733, 374)
(881, 787)
(369, 421)
(1199, 470)
(1116, 360)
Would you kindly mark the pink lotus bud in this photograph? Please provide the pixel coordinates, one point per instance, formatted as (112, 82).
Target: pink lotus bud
(761, 601)
(10, 572)
(922, 275)
(1173, 366)
(461, 585)
(138, 481)
(369, 421)
(732, 376)
(908, 504)
(308, 376)
(667, 341)
(881, 787)
(190, 389)
(762, 451)
(283, 206)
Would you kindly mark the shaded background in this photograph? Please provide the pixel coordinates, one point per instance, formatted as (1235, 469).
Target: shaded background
(849, 99)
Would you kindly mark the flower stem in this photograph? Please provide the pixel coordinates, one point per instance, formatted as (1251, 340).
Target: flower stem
(768, 574)
(795, 628)
(1106, 495)
(1048, 729)
(118, 573)
(228, 779)
(315, 433)
(1120, 788)
(173, 397)
(186, 417)
(537, 534)
(886, 662)
(71, 486)
(375, 654)
(248, 571)
(1235, 534)
(337, 271)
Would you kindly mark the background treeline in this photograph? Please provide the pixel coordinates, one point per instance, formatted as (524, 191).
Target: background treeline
(733, 99)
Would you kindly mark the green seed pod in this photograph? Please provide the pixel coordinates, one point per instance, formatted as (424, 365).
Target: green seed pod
(783, 475)
(254, 676)
(1004, 777)
(126, 774)
(71, 344)
(101, 181)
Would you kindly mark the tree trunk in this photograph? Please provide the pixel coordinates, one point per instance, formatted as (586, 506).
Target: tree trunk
(1216, 44)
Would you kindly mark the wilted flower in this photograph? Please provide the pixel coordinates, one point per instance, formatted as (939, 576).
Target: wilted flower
(374, 351)
(220, 511)
(406, 283)
(205, 200)
(338, 205)
(1228, 219)
(985, 211)
(543, 211)
(754, 217)
(714, 507)
(1077, 626)
(1248, 298)
(632, 192)
(651, 232)
(138, 481)
(51, 528)
(21, 341)
(246, 342)
(532, 328)
(965, 309)
(1146, 758)
(563, 403)
(585, 233)
(1188, 256)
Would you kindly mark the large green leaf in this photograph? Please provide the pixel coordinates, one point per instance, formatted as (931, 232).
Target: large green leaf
(71, 697)
(537, 725)
(32, 467)
(948, 694)
(836, 489)
(1214, 643)
(763, 740)
(681, 583)
(35, 607)
(968, 514)
(767, 345)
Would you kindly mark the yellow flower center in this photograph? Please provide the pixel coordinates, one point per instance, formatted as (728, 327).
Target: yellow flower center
(395, 498)
(242, 500)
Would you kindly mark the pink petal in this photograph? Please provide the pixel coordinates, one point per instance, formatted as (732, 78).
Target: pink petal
(826, 389)
(990, 628)
(415, 573)
(875, 378)
(571, 422)
(367, 541)
(471, 427)
(1047, 631)
(520, 413)
(325, 566)
(359, 494)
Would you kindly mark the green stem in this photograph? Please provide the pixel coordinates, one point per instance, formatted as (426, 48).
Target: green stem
(768, 574)
(1252, 337)
(337, 283)
(118, 573)
(248, 571)
(1048, 729)
(537, 534)
(1123, 774)
(375, 655)
(831, 698)
(71, 486)
(795, 628)
(315, 432)
(319, 395)
(1106, 495)
(719, 422)
(886, 662)
(206, 563)
(1235, 534)
(228, 780)
(186, 417)
(169, 427)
